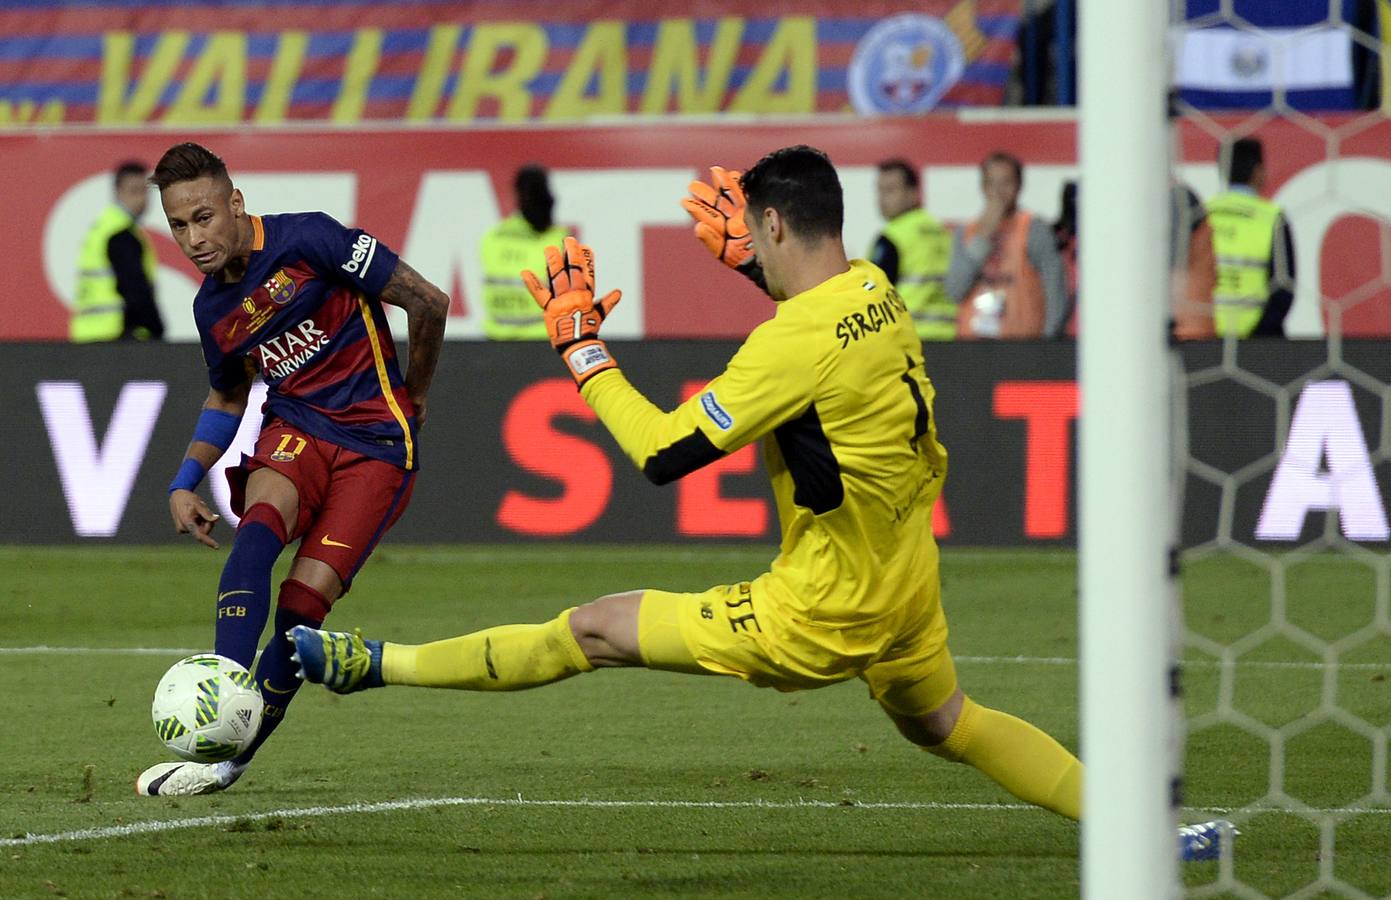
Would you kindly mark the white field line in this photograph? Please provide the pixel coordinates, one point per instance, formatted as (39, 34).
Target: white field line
(40, 649)
(163, 825)
(157, 826)
(173, 652)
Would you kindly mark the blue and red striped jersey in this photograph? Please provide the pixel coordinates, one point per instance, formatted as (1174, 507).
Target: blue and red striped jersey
(306, 317)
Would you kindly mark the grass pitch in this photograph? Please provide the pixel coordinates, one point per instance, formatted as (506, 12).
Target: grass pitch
(642, 784)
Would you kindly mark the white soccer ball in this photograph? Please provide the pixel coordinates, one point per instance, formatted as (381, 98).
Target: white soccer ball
(206, 708)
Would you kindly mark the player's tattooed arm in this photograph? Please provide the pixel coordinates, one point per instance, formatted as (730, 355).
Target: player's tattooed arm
(426, 308)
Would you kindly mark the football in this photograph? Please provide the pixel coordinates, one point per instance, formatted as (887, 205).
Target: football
(206, 708)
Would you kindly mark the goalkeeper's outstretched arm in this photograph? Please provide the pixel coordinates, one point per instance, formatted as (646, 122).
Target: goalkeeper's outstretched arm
(769, 381)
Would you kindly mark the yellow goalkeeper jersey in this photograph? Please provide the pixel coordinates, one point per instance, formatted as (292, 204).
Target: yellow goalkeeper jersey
(834, 386)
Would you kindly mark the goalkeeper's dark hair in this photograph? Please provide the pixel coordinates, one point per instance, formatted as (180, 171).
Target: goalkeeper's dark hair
(802, 185)
(188, 162)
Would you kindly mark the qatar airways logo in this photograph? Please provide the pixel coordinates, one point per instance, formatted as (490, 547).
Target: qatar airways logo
(281, 356)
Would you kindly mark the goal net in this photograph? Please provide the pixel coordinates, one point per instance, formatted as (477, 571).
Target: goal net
(1283, 445)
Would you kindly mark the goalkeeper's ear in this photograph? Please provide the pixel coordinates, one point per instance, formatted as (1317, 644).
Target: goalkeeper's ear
(769, 221)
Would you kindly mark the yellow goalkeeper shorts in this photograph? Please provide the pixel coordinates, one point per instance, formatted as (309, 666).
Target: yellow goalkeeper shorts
(735, 629)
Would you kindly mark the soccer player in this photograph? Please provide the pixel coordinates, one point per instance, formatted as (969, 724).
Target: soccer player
(834, 386)
(296, 299)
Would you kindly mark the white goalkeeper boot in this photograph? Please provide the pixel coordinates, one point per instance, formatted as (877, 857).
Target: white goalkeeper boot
(184, 779)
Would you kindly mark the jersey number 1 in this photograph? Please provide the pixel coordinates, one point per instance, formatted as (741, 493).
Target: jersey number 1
(920, 420)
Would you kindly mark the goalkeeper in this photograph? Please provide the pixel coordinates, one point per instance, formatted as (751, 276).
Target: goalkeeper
(834, 387)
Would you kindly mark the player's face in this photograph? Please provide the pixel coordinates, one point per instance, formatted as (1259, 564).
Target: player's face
(204, 216)
(133, 194)
(998, 182)
(895, 196)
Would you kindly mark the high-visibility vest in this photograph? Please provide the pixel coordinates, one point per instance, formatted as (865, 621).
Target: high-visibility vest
(509, 312)
(100, 313)
(924, 256)
(1006, 302)
(1243, 239)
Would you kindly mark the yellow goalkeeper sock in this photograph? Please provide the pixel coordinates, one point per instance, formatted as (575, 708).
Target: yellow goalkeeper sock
(1023, 760)
(505, 658)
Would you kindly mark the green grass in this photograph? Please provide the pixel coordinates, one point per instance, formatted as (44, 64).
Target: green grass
(75, 730)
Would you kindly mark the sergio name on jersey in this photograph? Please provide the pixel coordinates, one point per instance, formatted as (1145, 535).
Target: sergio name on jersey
(306, 316)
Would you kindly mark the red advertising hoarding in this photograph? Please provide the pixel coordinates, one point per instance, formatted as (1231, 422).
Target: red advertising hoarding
(431, 194)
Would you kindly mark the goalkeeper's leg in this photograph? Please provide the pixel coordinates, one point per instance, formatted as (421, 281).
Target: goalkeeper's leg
(917, 687)
(915, 683)
(600, 634)
(1020, 757)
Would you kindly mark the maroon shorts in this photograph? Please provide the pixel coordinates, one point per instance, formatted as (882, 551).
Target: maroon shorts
(347, 501)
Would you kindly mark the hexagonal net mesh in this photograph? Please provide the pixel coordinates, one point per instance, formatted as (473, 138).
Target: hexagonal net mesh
(1283, 446)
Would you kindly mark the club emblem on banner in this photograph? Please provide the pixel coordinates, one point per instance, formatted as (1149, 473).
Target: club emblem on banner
(904, 65)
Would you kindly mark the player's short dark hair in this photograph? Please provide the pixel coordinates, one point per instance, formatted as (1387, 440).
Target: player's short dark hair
(1244, 154)
(128, 168)
(188, 162)
(1009, 159)
(802, 185)
(902, 166)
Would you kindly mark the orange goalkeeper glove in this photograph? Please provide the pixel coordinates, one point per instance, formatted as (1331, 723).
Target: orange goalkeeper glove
(572, 315)
(718, 210)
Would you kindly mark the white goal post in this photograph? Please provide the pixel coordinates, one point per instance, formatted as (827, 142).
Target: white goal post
(1127, 736)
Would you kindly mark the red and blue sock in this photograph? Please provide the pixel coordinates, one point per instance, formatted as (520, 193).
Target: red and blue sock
(243, 594)
(276, 676)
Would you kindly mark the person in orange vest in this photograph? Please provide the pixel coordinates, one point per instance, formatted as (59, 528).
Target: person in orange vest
(1192, 266)
(1005, 270)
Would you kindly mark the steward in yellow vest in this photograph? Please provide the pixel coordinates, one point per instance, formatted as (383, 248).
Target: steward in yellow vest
(518, 242)
(116, 270)
(1254, 250)
(914, 250)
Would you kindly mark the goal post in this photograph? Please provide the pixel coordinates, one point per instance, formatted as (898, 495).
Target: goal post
(1127, 734)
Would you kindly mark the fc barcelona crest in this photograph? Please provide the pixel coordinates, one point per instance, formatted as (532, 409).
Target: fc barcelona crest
(280, 287)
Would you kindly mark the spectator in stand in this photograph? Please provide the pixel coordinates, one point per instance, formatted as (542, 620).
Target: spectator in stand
(1192, 270)
(1255, 251)
(116, 269)
(518, 242)
(914, 250)
(1005, 270)
(1065, 237)
(1192, 266)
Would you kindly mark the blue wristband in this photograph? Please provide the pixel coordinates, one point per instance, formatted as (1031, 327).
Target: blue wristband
(217, 427)
(190, 476)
